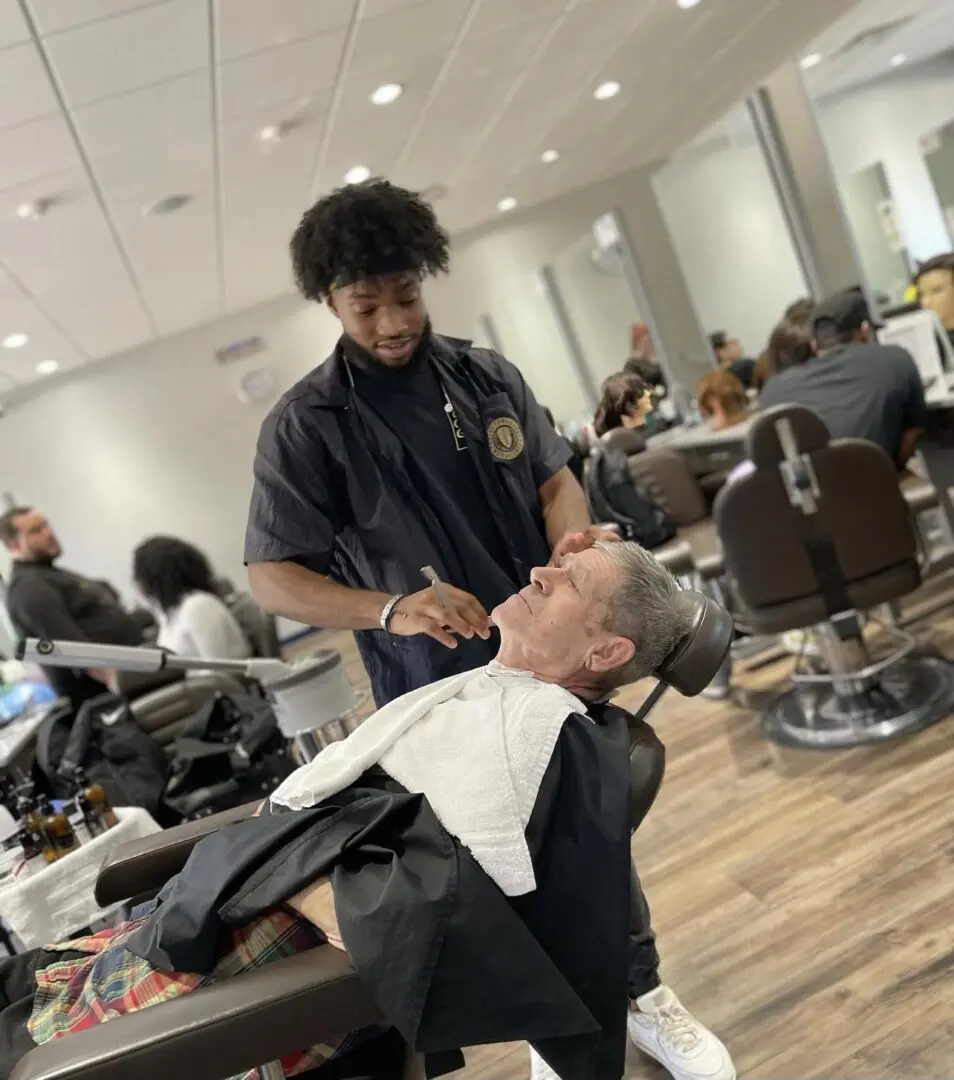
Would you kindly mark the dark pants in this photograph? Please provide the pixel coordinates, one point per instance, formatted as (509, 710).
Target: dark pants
(643, 957)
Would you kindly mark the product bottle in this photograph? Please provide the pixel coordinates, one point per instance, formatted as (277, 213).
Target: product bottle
(28, 811)
(99, 805)
(60, 838)
(85, 811)
(30, 842)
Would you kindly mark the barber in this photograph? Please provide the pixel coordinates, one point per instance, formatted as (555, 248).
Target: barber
(406, 449)
(403, 449)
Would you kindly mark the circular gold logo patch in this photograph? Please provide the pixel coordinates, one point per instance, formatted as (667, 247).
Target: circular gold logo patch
(505, 438)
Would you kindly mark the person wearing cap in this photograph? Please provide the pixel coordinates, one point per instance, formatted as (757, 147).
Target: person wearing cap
(407, 449)
(860, 388)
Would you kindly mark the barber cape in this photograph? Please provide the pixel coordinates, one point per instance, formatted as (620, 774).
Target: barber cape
(477, 745)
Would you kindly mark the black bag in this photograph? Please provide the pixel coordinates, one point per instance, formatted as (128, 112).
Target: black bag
(112, 750)
(615, 496)
(229, 753)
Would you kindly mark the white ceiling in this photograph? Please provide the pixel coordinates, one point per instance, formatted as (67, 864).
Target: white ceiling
(109, 105)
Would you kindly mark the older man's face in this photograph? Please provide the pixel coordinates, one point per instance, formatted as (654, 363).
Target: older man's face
(554, 626)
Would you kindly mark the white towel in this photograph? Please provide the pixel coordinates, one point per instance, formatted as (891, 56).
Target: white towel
(477, 745)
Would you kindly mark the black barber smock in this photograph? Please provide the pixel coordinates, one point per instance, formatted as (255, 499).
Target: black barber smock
(335, 491)
(450, 960)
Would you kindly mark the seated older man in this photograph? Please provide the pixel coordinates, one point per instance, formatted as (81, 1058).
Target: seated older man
(468, 846)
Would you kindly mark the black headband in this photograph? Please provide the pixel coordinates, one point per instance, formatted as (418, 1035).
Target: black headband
(383, 266)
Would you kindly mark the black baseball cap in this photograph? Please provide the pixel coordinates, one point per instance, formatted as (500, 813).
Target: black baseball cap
(841, 313)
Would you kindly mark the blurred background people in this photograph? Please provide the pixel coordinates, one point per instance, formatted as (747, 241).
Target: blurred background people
(731, 357)
(625, 402)
(935, 286)
(642, 357)
(721, 399)
(176, 578)
(45, 601)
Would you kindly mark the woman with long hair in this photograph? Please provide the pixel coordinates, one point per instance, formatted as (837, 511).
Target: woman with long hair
(625, 401)
(722, 399)
(177, 580)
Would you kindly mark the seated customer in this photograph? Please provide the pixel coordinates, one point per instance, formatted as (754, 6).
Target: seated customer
(625, 402)
(731, 358)
(176, 578)
(935, 289)
(722, 400)
(468, 846)
(859, 388)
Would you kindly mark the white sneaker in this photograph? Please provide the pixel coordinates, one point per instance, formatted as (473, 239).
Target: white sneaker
(661, 1028)
(539, 1069)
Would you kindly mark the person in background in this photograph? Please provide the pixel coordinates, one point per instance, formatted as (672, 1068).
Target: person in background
(642, 357)
(935, 285)
(625, 402)
(731, 357)
(796, 317)
(177, 580)
(791, 344)
(722, 399)
(575, 464)
(46, 601)
(801, 312)
(406, 449)
(859, 388)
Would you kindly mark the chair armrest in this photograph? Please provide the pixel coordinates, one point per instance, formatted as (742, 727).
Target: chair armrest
(218, 1031)
(145, 865)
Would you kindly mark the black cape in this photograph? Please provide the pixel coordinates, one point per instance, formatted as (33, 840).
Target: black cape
(448, 958)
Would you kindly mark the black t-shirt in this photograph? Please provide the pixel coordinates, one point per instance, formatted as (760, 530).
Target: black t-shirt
(412, 402)
(46, 602)
(743, 370)
(861, 391)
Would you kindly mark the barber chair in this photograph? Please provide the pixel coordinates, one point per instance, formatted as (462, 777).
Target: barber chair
(230, 1027)
(818, 533)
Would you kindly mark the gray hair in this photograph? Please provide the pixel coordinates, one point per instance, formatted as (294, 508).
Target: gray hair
(643, 608)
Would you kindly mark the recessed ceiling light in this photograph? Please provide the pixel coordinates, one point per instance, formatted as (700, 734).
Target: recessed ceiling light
(607, 90)
(686, 4)
(506, 204)
(47, 367)
(271, 133)
(387, 93)
(898, 59)
(169, 205)
(33, 211)
(15, 341)
(549, 156)
(810, 61)
(357, 175)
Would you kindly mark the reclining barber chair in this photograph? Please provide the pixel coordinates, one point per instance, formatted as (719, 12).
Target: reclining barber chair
(232, 1026)
(815, 536)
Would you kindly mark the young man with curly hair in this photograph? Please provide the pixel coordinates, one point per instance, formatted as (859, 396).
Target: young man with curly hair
(406, 449)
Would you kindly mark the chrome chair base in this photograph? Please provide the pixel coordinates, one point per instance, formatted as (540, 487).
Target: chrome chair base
(912, 694)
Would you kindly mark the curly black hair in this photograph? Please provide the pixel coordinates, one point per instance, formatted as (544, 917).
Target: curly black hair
(166, 570)
(362, 231)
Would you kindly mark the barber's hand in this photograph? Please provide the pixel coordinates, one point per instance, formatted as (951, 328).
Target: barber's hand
(422, 613)
(575, 542)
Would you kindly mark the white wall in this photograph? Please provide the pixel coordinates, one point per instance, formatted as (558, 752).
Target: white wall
(732, 240)
(883, 121)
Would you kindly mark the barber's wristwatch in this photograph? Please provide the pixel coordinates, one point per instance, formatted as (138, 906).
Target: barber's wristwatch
(388, 610)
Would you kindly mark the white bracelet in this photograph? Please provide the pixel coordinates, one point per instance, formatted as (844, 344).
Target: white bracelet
(388, 609)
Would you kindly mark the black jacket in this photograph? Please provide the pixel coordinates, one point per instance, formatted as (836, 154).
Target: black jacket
(450, 960)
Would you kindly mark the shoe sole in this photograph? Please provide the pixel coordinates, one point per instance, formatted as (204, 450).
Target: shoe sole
(659, 1060)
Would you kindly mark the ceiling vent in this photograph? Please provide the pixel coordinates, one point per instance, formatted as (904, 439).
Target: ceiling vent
(873, 36)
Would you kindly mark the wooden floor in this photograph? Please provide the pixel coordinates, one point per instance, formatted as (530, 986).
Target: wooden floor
(803, 902)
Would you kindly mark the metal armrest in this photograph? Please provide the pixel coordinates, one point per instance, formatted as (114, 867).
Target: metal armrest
(143, 866)
(218, 1031)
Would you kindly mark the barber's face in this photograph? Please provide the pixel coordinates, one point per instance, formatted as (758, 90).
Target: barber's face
(385, 316)
(936, 292)
(35, 539)
(554, 626)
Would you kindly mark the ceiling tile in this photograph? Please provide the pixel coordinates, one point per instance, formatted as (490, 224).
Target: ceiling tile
(163, 112)
(36, 149)
(20, 314)
(408, 33)
(136, 49)
(244, 27)
(373, 8)
(54, 15)
(25, 90)
(300, 71)
(154, 170)
(13, 27)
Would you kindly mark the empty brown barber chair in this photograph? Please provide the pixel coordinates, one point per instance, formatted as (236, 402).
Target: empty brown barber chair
(818, 533)
(231, 1026)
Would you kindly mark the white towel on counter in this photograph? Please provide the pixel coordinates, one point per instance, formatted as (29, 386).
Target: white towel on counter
(477, 745)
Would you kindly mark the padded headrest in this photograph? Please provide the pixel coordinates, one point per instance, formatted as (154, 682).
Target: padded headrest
(762, 444)
(628, 440)
(696, 659)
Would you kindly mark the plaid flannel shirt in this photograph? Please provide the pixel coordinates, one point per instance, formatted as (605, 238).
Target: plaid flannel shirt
(108, 981)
